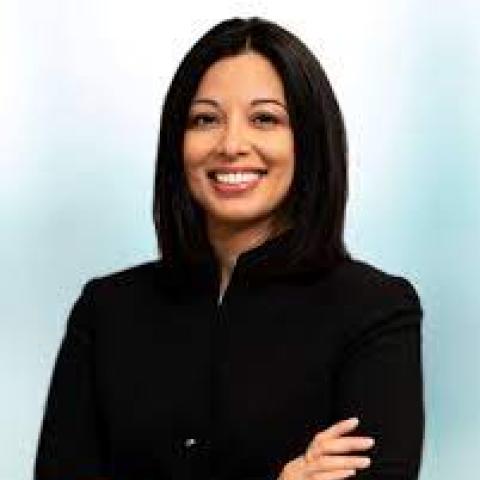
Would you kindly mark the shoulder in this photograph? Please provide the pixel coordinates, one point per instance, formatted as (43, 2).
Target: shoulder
(368, 285)
(133, 281)
(139, 273)
(116, 302)
(375, 302)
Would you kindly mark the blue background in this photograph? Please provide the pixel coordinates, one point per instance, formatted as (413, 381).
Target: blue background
(81, 89)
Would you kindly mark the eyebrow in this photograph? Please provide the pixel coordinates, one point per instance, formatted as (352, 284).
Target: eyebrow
(256, 101)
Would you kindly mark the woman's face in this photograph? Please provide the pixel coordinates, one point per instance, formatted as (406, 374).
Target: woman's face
(238, 146)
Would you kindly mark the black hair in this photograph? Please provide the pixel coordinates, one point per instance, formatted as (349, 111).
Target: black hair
(316, 201)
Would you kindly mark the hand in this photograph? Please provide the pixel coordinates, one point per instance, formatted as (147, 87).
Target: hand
(317, 463)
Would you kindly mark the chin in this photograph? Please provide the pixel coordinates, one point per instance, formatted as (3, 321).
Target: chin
(239, 217)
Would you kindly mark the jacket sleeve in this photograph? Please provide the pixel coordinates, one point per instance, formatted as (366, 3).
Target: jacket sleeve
(380, 381)
(70, 441)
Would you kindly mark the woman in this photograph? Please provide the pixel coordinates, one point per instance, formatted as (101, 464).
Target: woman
(245, 351)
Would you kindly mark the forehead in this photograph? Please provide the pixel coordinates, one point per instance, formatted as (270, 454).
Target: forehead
(240, 77)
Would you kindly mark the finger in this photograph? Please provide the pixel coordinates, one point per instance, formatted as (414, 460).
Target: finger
(339, 445)
(337, 475)
(333, 432)
(337, 462)
(340, 428)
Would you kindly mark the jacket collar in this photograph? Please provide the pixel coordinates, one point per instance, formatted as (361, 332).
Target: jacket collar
(268, 260)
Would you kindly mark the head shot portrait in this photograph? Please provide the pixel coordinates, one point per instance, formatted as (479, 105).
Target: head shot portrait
(237, 161)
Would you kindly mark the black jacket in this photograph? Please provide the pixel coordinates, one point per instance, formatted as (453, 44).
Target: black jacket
(155, 380)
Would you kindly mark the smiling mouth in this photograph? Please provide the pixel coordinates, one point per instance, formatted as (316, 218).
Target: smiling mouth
(228, 184)
(235, 178)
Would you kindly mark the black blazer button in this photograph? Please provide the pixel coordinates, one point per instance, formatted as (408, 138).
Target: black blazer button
(190, 442)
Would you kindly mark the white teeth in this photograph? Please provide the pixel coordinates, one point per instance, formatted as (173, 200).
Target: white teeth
(236, 177)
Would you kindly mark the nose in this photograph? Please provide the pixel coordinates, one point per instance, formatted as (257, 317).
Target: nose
(233, 141)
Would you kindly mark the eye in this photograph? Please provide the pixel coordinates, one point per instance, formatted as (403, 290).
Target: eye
(266, 118)
(201, 119)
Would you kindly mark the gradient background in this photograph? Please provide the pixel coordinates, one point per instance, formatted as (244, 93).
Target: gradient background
(81, 88)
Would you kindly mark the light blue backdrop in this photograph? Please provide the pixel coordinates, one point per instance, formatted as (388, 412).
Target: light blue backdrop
(81, 87)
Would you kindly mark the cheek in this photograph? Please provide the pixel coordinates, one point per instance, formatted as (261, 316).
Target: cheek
(193, 157)
(197, 150)
(281, 156)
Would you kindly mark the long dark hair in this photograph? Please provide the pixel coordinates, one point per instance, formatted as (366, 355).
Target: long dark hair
(317, 198)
